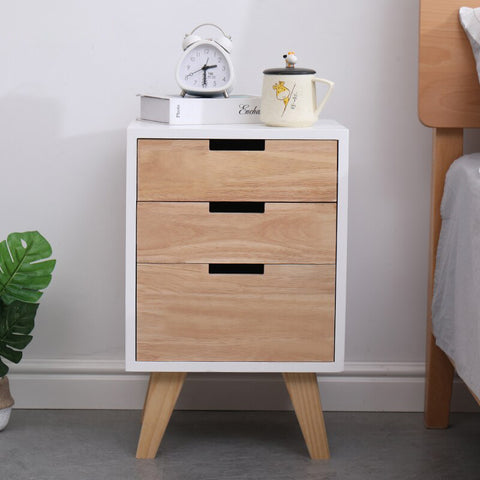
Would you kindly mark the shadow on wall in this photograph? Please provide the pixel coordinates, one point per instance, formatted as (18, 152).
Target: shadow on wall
(71, 188)
(472, 140)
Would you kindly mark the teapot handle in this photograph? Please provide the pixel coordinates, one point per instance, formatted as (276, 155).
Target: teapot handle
(325, 98)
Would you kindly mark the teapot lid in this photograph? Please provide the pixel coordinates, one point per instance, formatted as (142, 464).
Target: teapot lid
(289, 69)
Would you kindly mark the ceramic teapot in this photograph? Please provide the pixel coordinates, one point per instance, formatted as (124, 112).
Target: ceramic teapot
(289, 96)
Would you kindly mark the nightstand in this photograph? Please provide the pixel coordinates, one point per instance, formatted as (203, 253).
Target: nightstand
(235, 260)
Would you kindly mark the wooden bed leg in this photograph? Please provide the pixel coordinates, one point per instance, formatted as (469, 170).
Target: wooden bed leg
(447, 146)
(303, 391)
(438, 386)
(162, 394)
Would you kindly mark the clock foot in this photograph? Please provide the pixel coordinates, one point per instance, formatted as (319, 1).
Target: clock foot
(225, 94)
(183, 93)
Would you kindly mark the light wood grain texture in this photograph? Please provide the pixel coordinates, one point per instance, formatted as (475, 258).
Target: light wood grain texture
(447, 146)
(449, 90)
(303, 391)
(185, 232)
(185, 314)
(186, 170)
(146, 396)
(162, 395)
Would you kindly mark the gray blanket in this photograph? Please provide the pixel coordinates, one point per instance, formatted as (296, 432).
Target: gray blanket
(456, 298)
(470, 20)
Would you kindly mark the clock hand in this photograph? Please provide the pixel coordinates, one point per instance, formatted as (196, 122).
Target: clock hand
(205, 67)
(196, 71)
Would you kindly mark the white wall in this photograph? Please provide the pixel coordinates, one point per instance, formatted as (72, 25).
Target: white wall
(69, 74)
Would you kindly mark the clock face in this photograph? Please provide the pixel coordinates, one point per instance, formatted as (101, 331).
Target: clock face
(204, 68)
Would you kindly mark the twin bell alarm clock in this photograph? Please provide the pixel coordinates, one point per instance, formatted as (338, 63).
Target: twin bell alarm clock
(205, 68)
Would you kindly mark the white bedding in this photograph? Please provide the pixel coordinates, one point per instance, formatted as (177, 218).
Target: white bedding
(456, 297)
(470, 20)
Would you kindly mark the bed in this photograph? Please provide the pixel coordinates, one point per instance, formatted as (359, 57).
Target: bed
(448, 101)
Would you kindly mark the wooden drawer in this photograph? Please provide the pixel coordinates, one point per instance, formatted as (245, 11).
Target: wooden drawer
(183, 232)
(286, 170)
(186, 314)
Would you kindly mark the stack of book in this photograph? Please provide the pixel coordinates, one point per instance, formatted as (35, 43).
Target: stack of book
(178, 110)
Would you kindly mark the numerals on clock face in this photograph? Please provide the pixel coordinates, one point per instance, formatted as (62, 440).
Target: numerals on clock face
(204, 67)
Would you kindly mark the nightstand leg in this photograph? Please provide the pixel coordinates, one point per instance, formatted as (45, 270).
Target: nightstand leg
(303, 391)
(146, 396)
(162, 394)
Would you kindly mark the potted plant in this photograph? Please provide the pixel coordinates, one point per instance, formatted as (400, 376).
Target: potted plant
(24, 273)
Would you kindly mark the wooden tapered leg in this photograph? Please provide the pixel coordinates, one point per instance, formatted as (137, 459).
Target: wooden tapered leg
(438, 386)
(447, 146)
(162, 394)
(146, 396)
(303, 391)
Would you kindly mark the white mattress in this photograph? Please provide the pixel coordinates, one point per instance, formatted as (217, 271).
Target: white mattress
(456, 298)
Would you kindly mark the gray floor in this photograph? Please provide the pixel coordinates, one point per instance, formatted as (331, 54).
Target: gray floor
(96, 445)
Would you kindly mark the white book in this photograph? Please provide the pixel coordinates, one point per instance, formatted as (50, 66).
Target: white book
(178, 110)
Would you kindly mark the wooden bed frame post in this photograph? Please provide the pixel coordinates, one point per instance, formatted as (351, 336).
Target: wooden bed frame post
(448, 99)
(447, 146)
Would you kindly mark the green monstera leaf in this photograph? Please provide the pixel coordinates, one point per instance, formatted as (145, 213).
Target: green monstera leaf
(16, 322)
(23, 268)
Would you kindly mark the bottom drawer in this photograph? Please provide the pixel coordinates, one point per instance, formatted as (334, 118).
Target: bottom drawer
(285, 314)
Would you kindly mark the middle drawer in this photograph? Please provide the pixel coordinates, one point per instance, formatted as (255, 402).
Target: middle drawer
(187, 232)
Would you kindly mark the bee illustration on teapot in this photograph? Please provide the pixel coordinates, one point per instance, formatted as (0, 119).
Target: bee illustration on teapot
(283, 93)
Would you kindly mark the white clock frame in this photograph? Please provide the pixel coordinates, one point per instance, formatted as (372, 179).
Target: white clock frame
(190, 43)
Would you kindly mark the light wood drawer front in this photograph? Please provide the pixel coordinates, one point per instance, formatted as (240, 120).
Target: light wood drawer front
(186, 314)
(183, 232)
(287, 170)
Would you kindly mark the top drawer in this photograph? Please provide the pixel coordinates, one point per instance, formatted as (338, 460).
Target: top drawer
(287, 170)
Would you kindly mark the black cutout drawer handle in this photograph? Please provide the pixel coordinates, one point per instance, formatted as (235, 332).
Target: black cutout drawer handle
(237, 144)
(236, 207)
(236, 268)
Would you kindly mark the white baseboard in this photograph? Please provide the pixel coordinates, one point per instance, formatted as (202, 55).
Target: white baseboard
(96, 384)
